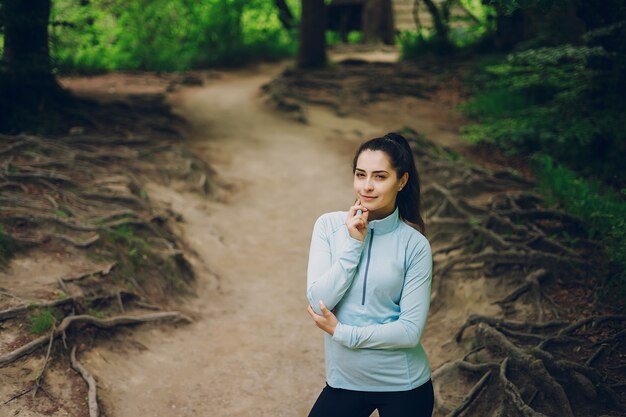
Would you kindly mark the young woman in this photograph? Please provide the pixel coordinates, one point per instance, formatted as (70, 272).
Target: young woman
(368, 285)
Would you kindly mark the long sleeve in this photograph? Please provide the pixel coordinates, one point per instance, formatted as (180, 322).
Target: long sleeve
(406, 331)
(326, 280)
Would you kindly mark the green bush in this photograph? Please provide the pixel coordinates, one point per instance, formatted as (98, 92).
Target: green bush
(165, 35)
(416, 44)
(333, 37)
(555, 101)
(603, 212)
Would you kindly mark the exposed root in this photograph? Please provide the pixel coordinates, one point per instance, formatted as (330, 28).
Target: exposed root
(18, 395)
(91, 383)
(56, 188)
(99, 272)
(17, 311)
(45, 365)
(72, 321)
(471, 396)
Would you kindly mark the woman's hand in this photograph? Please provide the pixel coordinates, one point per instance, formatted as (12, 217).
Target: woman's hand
(327, 321)
(357, 223)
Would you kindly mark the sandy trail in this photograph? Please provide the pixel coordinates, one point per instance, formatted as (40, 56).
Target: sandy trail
(252, 350)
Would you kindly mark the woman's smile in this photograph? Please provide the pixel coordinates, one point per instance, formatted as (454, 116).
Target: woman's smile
(366, 198)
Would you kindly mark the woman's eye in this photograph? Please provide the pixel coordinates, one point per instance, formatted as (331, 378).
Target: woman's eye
(380, 177)
(359, 175)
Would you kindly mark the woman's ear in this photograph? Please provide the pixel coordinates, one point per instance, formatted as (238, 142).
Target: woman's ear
(403, 180)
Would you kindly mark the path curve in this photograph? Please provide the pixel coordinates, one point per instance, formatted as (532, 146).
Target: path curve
(252, 350)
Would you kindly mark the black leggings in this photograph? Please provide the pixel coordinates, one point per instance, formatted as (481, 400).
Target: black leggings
(336, 402)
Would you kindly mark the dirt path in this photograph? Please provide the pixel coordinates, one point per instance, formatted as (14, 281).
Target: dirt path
(252, 350)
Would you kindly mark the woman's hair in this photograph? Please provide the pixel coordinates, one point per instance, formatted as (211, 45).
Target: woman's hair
(401, 156)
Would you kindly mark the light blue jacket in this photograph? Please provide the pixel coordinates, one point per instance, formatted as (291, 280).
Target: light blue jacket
(380, 289)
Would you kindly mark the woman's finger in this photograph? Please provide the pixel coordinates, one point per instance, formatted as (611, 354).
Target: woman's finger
(323, 308)
(355, 208)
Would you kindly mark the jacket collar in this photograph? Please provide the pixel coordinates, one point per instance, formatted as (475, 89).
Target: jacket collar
(386, 224)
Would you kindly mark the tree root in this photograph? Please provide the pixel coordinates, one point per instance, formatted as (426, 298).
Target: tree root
(45, 365)
(91, 383)
(56, 187)
(507, 325)
(98, 272)
(18, 395)
(72, 321)
(17, 311)
(439, 374)
(548, 372)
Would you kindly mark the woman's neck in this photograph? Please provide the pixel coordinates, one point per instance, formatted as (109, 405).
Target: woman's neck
(380, 214)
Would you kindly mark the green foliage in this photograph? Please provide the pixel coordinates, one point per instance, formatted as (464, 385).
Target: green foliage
(42, 321)
(135, 245)
(465, 30)
(333, 38)
(604, 213)
(509, 6)
(551, 100)
(419, 43)
(165, 35)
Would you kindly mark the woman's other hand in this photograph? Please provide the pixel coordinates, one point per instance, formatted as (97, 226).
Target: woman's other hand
(327, 321)
(357, 221)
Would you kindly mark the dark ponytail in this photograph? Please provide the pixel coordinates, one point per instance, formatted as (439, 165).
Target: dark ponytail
(399, 152)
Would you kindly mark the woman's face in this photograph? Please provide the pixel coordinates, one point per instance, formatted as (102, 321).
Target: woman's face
(376, 183)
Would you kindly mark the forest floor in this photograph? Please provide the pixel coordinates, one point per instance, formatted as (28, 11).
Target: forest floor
(251, 349)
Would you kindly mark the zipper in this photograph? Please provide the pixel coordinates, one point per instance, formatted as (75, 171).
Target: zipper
(367, 267)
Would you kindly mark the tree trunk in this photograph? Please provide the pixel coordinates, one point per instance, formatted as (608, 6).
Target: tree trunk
(27, 84)
(26, 53)
(439, 21)
(284, 14)
(312, 51)
(378, 24)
